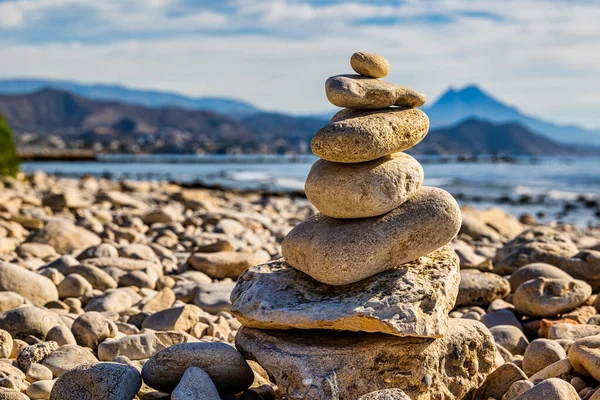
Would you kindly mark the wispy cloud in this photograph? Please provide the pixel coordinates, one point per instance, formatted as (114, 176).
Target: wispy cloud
(540, 55)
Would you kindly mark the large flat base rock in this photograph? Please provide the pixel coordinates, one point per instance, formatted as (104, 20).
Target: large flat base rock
(324, 365)
(411, 300)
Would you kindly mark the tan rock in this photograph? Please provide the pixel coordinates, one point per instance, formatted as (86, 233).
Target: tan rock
(360, 92)
(584, 356)
(572, 331)
(29, 320)
(40, 390)
(91, 328)
(547, 297)
(164, 299)
(356, 136)
(65, 236)
(386, 394)
(480, 288)
(173, 319)
(498, 382)
(410, 300)
(195, 384)
(10, 300)
(535, 270)
(550, 389)
(560, 369)
(6, 344)
(141, 346)
(340, 252)
(320, 365)
(222, 362)
(227, 264)
(97, 381)
(68, 357)
(585, 266)
(34, 287)
(540, 244)
(370, 65)
(517, 388)
(363, 190)
(540, 353)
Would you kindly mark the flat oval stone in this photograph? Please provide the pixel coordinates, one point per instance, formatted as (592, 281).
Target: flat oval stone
(364, 93)
(357, 136)
(340, 252)
(548, 297)
(411, 300)
(363, 190)
(226, 367)
(371, 65)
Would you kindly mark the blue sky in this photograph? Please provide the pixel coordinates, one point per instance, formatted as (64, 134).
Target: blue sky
(542, 56)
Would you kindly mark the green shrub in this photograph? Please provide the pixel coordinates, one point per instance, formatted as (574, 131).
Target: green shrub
(9, 161)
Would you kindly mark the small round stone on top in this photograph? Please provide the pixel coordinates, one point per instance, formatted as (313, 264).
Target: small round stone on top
(371, 65)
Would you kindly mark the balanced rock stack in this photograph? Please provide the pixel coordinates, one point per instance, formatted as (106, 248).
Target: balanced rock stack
(361, 302)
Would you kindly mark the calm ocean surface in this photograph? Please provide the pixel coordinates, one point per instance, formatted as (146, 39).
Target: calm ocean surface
(567, 189)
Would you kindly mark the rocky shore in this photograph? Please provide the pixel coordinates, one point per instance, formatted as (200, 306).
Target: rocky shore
(121, 290)
(100, 278)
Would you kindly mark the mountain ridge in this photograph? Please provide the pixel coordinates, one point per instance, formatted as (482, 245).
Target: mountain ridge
(456, 105)
(124, 94)
(51, 117)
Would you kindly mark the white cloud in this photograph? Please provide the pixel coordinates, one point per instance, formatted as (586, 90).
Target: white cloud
(542, 56)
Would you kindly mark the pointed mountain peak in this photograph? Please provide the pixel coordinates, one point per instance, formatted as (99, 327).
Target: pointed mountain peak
(466, 94)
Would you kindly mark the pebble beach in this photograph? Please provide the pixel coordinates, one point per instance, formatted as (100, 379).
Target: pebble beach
(376, 288)
(98, 277)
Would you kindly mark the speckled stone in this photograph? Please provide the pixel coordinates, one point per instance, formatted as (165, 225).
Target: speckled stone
(354, 136)
(340, 252)
(411, 300)
(369, 189)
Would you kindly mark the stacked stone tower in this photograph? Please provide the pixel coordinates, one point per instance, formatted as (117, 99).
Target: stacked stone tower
(361, 301)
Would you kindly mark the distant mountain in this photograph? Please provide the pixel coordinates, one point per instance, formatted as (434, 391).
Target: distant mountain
(455, 106)
(475, 137)
(52, 118)
(149, 98)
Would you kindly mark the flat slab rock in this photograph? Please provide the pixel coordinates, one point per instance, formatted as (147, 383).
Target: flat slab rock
(411, 300)
(317, 365)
